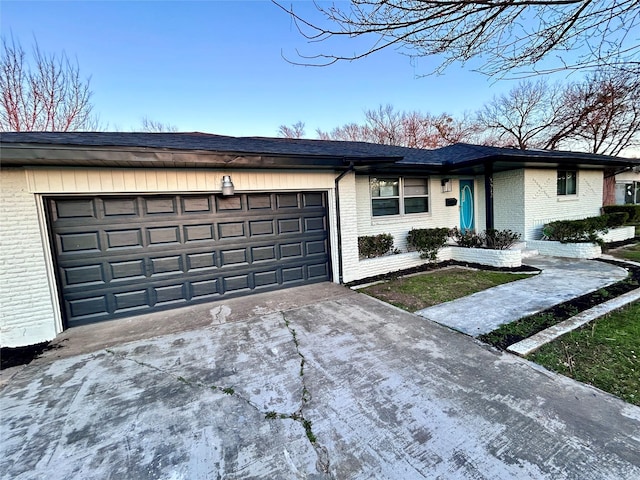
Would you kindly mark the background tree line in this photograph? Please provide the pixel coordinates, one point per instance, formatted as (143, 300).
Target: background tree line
(599, 114)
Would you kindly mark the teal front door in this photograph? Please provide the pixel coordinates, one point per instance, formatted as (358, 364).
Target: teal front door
(467, 220)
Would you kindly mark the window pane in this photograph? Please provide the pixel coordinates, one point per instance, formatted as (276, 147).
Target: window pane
(571, 183)
(385, 187)
(415, 186)
(416, 205)
(562, 183)
(390, 206)
(637, 187)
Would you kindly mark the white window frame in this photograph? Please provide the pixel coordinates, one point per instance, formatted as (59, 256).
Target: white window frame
(401, 195)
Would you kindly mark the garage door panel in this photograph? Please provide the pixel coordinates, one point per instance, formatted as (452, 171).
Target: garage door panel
(124, 238)
(230, 230)
(84, 275)
(163, 235)
(131, 270)
(120, 207)
(122, 255)
(78, 242)
(134, 300)
(201, 261)
(155, 206)
(196, 233)
(233, 257)
(75, 209)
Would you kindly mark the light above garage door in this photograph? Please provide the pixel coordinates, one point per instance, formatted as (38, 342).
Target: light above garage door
(117, 256)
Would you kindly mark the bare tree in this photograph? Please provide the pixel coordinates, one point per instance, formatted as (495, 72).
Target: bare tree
(387, 126)
(510, 36)
(45, 93)
(294, 131)
(607, 112)
(522, 118)
(153, 126)
(600, 114)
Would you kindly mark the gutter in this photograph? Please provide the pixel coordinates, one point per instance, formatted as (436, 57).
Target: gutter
(339, 232)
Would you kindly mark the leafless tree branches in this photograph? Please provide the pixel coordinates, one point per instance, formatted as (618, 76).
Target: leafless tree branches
(153, 126)
(44, 94)
(511, 36)
(294, 131)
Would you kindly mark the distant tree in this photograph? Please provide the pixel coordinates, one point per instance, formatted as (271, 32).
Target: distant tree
(387, 126)
(509, 35)
(294, 131)
(600, 114)
(43, 92)
(153, 126)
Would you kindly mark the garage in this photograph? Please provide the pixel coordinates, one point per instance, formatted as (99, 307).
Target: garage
(118, 255)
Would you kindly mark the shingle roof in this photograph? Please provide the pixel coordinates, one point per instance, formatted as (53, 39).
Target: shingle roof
(451, 157)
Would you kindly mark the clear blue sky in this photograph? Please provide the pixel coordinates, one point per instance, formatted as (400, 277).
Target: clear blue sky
(217, 67)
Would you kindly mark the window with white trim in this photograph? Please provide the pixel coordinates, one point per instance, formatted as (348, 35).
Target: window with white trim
(399, 195)
(567, 182)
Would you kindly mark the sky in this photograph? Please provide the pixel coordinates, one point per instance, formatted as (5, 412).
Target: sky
(219, 67)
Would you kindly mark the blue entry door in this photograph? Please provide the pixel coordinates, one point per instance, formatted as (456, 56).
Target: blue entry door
(467, 219)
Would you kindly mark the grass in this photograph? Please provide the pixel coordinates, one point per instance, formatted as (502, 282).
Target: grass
(604, 353)
(631, 252)
(425, 290)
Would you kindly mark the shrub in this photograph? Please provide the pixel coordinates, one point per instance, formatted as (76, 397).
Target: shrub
(375, 245)
(616, 219)
(500, 239)
(632, 210)
(576, 231)
(467, 239)
(428, 241)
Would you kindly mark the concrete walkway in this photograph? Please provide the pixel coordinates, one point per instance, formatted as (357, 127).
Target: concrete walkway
(341, 387)
(561, 279)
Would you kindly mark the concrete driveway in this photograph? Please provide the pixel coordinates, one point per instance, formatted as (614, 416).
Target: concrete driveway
(316, 382)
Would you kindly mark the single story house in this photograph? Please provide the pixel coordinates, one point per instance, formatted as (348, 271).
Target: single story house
(96, 226)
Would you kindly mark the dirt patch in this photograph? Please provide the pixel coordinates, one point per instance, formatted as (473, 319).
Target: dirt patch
(12, 357)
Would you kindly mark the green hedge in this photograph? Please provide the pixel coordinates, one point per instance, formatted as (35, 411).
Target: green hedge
(616, 219)
(576, 231)
(428, 241)
(375, 245)
(632, 210)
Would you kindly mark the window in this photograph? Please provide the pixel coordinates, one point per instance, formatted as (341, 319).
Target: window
(628, 193)
(399, 195)
(567, 182)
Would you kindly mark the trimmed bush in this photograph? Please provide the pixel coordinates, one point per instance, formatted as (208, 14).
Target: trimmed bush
(428, 241)
(616, 219)
(375, 245)
(632, 210)
(467, 239)
(500, 239)
(576, 231)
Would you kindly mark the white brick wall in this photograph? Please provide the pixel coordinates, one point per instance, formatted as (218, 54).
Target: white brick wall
(509, 200)
(26, 309)
(544, 205)
(619, 234)
(567, 250)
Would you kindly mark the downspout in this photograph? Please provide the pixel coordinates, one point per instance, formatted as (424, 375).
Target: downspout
(337, 190)
(488, 194)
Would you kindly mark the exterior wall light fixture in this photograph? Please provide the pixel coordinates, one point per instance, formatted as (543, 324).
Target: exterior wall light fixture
(445, 184)
(227, 186)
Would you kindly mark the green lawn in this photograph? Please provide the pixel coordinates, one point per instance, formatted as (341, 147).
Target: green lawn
(424, 290)
(631, 252)
(605, 353)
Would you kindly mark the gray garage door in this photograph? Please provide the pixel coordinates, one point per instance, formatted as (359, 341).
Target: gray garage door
(122, 255)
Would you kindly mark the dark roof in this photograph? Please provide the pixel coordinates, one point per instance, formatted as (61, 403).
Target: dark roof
(199, 149)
